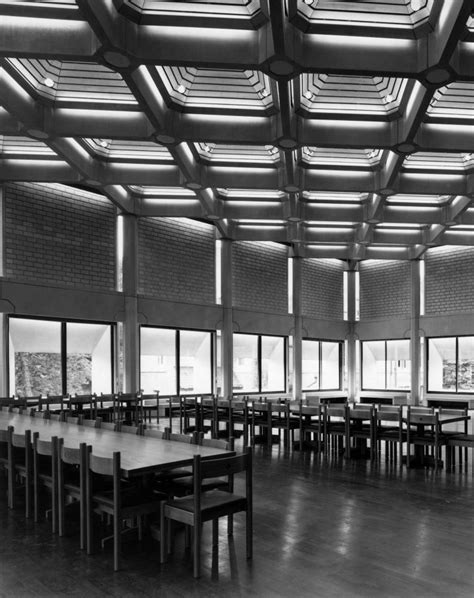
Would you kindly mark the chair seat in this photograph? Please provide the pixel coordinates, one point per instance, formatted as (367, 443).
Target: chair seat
(461, 439)
(184, 485)
(131, 499)
(213, 503)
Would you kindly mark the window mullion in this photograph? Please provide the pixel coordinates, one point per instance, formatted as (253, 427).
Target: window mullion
(177, 362)
(63, 358)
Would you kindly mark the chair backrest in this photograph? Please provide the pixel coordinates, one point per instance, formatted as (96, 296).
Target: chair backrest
(113, 426)
(126, 429)
(225, 445)
(108, 466)
(71, 455)
(151, 433)
(389, 413)
(45, 448)
(187, 438)
(224, 466)
(417, 409)
(91, 423)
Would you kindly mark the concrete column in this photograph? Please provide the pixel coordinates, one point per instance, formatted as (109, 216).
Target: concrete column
(351, 338)
(3, 317)
(227, 344)
(415, 347)
(298, 329)
(131, 349)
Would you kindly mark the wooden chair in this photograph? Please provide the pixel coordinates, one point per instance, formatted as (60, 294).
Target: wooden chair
(454, 430)
(126, 429)
(360, 426)
(427, 434)
(310, 418)
(90, 423)
(4, 435)
(72, 473)
(389, 430)
(83, 405)
(181, 485)
(335, 429)
(20, 468)
(54, 403)
(45, 467)
(150, 403)
(201, 506)
(120, 505)
(153, 433)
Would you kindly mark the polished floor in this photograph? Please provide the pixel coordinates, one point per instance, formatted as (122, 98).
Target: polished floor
(323, 528)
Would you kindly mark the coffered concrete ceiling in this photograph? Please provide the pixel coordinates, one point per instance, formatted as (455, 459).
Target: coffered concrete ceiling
(343, 129)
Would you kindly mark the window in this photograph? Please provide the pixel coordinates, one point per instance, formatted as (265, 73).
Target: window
(321, 367)
(175, 361)
(57, 357)
(451, 364)
(386, 365)
(259, 363)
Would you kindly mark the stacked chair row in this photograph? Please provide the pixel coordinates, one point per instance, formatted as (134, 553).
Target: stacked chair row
(61, 481)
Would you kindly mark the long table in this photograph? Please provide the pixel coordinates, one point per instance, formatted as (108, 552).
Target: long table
(139, 454)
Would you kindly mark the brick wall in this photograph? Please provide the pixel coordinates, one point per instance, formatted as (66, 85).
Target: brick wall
(56, 234)
(385, 289)
(176, 259)
(322, 288)
(260, 276)
(449, 280)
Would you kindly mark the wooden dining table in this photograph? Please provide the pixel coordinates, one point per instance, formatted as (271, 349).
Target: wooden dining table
(140, 455)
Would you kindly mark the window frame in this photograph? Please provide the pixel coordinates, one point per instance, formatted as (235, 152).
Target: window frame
(177, 345)
(427, 364)
(320, 341)
(259, 363)
(385, 388)
(63, 345)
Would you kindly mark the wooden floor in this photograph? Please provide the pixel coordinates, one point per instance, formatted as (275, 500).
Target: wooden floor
(322, 529)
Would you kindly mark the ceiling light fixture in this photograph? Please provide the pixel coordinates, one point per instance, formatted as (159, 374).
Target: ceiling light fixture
(388, 98)
(48, 82)
(416, 5)
(104, 143)
(181, 88)
(308, 95)
(264, 92)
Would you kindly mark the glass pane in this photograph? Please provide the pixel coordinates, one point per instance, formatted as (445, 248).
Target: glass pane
(195, 362)
(442, 364)
(330, 366)
(466, 363)
(273, 364)
(245, 363)
(89, 358)
(310, 365)
(373, 365)
(398, 365)
(35, 357)
(158, 360)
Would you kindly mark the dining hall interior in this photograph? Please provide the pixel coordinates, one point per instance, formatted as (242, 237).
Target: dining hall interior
(236, 285)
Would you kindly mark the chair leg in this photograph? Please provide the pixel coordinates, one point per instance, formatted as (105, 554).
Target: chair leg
(163, 543)
(117, 543)
(230, 525)
(197, 550)
(215, 533)
(249, 533)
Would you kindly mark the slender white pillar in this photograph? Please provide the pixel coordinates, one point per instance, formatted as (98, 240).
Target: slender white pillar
(415, 347)
(131, 349)
(3, 316)
(351, 338)
(227, 344)
(298, 329)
